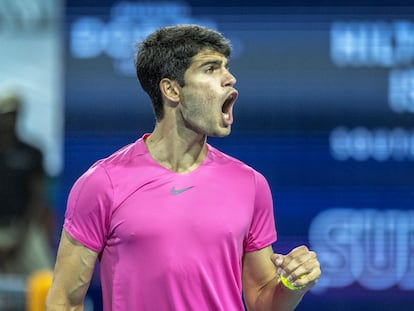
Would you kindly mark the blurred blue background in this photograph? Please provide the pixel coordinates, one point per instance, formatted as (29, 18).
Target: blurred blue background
(325, 112)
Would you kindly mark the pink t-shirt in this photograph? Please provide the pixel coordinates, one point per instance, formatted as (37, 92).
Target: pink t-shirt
(170, 241)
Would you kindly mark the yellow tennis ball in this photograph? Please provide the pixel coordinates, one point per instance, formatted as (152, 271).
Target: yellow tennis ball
(289, 285)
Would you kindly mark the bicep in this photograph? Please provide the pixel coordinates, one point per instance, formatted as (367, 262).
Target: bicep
(73, 272)
(258, 272)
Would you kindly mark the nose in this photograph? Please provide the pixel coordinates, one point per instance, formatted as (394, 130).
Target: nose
(229, 79)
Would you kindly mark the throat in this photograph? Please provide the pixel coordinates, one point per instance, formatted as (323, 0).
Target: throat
(175, 157)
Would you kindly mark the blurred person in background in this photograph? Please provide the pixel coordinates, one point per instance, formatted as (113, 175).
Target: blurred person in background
(26, 219)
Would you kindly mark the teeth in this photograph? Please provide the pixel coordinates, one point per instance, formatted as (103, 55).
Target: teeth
(226, 116)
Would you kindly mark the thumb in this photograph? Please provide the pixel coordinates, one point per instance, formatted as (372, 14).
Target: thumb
(277, 259)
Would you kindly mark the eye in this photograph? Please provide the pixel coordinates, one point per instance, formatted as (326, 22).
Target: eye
(210, 69)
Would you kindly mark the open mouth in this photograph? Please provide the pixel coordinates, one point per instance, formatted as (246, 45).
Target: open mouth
(227, 107)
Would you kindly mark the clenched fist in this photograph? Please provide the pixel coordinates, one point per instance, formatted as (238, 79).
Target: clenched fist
(300, 268)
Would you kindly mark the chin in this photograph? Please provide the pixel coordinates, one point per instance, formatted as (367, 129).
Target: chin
(221, 133)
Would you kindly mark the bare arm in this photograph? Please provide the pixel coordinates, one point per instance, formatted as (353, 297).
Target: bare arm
(262, 287)
(73, 272)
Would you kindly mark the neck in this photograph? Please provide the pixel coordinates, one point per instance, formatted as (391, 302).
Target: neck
(180, 150)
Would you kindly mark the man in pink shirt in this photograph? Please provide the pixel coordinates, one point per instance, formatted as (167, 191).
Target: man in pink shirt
(175, 223)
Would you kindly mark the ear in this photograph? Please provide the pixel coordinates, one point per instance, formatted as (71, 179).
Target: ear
(170, 90)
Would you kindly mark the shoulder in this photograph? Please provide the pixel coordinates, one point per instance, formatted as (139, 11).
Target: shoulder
(98, 173)
(121, 156)
(119, 159)
(28, 149)
(235, 168)
(115, 171)
(221, 158)
(27, 157)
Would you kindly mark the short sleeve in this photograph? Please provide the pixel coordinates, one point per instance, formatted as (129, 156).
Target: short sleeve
(89, 207)
(262, 231)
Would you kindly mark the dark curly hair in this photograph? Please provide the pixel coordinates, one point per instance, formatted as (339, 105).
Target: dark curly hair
(167, 53)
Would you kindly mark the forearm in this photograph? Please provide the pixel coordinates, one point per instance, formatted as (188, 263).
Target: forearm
(72, 275)
(274, 296)
(262, 287)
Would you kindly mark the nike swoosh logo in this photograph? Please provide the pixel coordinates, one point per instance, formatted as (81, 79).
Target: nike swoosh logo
(178, 191)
